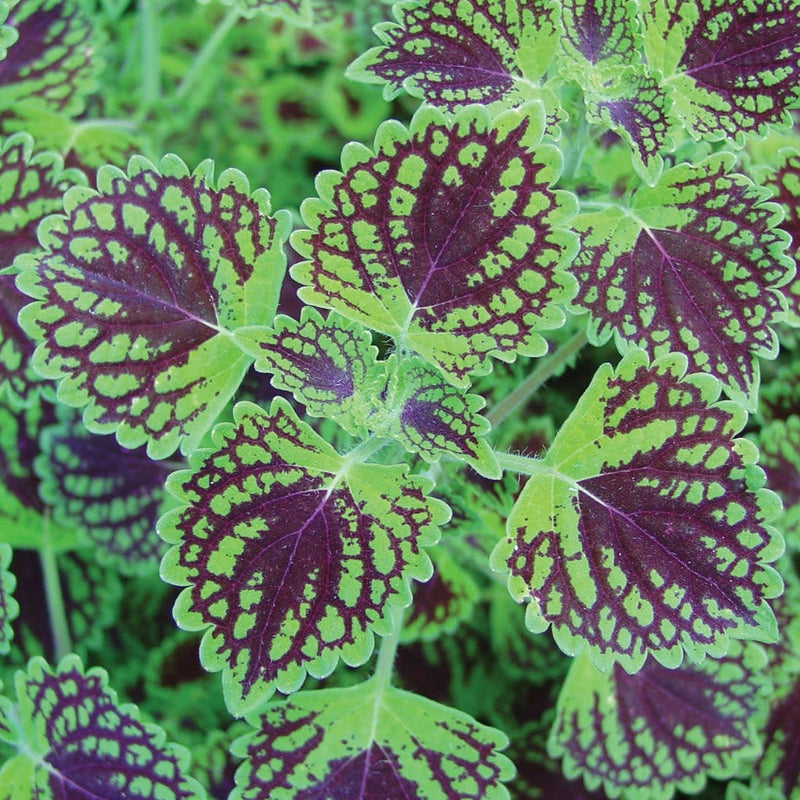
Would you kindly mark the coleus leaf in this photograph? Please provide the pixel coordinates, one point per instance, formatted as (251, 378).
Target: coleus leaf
(111, 494)
(660, 730)
(9, 608)
(693, 265)
(654, 535)
(732, 67)
(32, 187)
(453, 54)
(291, 553)
(329, 365)
(53, 59)
(370, 743)
(447, 237)
(138, 291)
(74, 740)
(779, 444)
(598, 31)
(298, 12)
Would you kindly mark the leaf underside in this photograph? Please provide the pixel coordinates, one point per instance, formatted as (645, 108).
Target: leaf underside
(654, 532)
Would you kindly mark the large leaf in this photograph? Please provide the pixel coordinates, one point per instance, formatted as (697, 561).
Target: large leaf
(732, 67)
(648, 734)
(32, 187)
(694, 265)
(452, 54)
(644, 528)
(53, 60)
(370, 743)
(291, 552)
(447, 238)
(74, 740)
(139, 290)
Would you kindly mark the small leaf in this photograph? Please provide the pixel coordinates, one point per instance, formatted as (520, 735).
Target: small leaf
(329, 365)
(291, 552)
(53, 59)
(447, 238)
(597, 31)
(366, 742)
(660, 730)
(9, 608)
(75, 741)
(139, 290)
(453, 54)
(693, 266)
(732, 67)
(644, 529)
(297, 12)
(112, 495)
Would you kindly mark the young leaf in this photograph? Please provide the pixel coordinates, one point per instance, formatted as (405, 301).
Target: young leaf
(598, 31)
(430, 417)
(644, 529)
(291, 553)
(693, 266)
(74, 740)
(112, 495)
(138, 291)
(9, 608)
(447, 238)
(370, 742)
(650, 734)
(53, 59)
(732, 67)
(453, 54)
(330, 365)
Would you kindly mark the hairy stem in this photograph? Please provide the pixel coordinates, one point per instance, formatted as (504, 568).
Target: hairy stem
(207, 52)
(53, 595)
(534, 381)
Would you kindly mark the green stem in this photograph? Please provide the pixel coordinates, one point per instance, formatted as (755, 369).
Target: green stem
(388, 650)
(53, 596)
(207, 52)
(151, 54)
(534, 381)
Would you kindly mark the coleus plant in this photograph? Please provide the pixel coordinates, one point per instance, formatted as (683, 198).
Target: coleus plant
(506, 517)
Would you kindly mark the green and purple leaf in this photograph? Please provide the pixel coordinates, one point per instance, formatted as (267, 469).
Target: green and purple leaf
(53, 60)
(292, 554)
(454, 54)
(330, 365)
(645, 527)
(139, 290)
(447, 237)
(74, 740)
(113, 495)
(600, 32)
(369, 742)
(660, 730)
(732, 67)
(694, 265)
(9, 608)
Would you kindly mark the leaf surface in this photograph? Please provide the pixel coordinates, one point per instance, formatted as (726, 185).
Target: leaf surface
(291, 552)
(645, 528)
(694, 266)
(732, 67)
(76, 741)
(368, 743)
(648, 734)
(138, 291)
(9, 608)
(453, 54)
(779, 445)
(446, 237)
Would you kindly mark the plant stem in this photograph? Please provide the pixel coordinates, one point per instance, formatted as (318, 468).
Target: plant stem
(207, 52)
(151, 53)
(388, 650)
(534, 381)
(53, 595)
